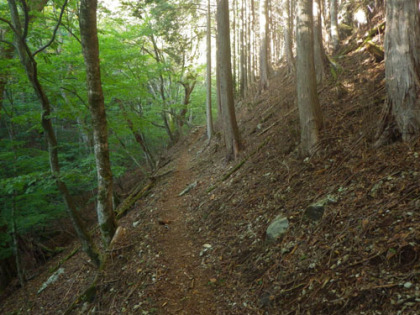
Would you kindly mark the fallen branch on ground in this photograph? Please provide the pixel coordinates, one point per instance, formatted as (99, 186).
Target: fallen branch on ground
(239, 165)
(73, 252)
(133, 197)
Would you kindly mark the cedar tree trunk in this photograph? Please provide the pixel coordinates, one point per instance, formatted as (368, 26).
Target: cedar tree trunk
(308, 102)
(230, 126)
(402, 72)
(264, 45)
(209, 115)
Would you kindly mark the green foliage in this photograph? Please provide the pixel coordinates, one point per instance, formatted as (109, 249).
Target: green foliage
(134, 74)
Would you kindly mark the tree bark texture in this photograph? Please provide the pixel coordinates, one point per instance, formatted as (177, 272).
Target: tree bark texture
(234, 27)
(287, 35)
(31, 70)
(402, 71)
(334, 25)
(319, 51)
(308, 102)
(264, 45)
(230, 126)
(90, 46)
(243, 84)
(209, 115)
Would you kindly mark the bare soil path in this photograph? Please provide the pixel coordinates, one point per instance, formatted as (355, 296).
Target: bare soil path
(183, 287)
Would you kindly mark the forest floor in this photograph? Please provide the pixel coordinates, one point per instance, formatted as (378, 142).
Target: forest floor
(206, 252)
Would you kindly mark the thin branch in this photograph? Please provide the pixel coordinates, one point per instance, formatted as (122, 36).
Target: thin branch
(55, 31)
(70, 91)
(156, 124)
(7, 42)
(71, 33)
(10, 25)
(26, 12)
(75, 94)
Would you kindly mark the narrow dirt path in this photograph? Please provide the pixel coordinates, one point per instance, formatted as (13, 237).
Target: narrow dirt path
(184, 285)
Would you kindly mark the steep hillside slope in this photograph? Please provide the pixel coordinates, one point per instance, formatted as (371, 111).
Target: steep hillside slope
(196, 243)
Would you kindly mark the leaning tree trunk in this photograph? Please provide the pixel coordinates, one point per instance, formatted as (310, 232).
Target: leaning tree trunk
(402, 72)
(309, 109)
(30, 65)
(90, 45)
(231, 131)
(6, 52)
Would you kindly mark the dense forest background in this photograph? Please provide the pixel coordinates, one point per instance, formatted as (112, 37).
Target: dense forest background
(101, 112)
(153, 88)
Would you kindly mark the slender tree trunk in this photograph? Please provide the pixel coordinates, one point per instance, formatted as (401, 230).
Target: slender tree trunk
(250, 46)
(402, 71)
(162, 92)
(231, 131)
(18, 258)
(264, 45)
(6, 53)
(138, 136)
(319, 52)
(181, 117)
(287, 34)
(325, 19)
(31, 69)
(90, 45)
(209, 114)
(234, 46)
(334, 25)
(308, 102)
(243, 57)
(16, 251)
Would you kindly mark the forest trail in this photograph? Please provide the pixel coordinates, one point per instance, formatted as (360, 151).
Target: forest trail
(183, 288)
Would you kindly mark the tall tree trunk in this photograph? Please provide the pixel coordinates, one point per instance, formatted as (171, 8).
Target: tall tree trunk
(253, 44)
(402, 71)
(31, 70)
(287, 34)
(209, 115)
(325, 20)
(334, 25)
(234, 46)
(231, 131)
(264, 45)
(243, 57)
(250, 46)
(309, 109)
(319, 52)
(90, 45)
